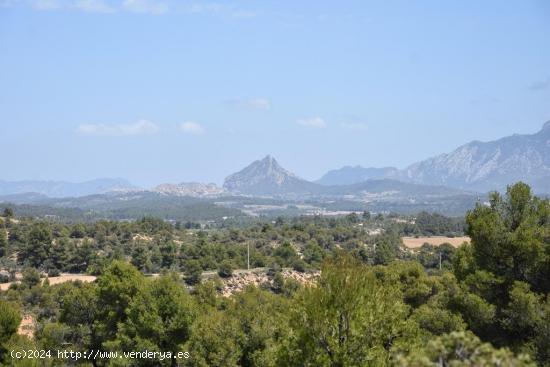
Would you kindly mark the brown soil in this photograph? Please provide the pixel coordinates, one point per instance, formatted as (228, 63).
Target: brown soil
(60, 279)
(27, 326)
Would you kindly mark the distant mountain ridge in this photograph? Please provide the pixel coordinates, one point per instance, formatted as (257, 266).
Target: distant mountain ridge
(477, 166)
(59, 189)
(485, 166)
(261, 187)
(266, 177)
(455, 176)
(194, 189)
(349, 175)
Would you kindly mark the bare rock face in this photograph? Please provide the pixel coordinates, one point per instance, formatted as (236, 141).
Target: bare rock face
(266, 177)
(485, 166)
(476, 166)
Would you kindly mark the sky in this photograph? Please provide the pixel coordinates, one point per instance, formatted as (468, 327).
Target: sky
(174, 91)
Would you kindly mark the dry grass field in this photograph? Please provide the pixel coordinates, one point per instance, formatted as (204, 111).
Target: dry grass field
(413, 242)
(60, 279)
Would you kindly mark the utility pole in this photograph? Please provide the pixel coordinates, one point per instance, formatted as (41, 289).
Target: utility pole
(248, 256)
(439, 260)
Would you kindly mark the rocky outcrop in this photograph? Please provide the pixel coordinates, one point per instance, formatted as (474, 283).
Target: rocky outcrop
(194, 189)
(238, 282)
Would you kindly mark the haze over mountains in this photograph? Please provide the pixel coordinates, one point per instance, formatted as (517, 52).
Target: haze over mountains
(348, 175)
(476, 166)
(266, 177)
(59, 189)
(488, 166)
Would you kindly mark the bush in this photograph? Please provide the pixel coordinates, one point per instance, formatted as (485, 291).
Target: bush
(273, 269)
(53, 272)
(31, 277)
(226, 269)
(193, 272)
(299, 265)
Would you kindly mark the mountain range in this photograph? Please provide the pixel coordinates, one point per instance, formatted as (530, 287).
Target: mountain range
(267, 178)
(348, 175)
(60, 189)
(473, 167)
(476, 166)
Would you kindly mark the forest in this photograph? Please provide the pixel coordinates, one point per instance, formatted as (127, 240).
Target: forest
(367, 300)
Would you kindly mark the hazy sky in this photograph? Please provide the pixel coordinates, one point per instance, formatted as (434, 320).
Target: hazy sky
(171, 91)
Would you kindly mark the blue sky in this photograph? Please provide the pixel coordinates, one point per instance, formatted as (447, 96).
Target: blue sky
(170, 91)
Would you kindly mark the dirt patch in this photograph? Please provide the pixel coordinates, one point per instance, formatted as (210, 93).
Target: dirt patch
(5, 286)
(60, 279)
(27, 326)
(413, 242)
(71, 278)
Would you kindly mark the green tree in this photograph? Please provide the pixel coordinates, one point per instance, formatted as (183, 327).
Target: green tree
(508, 266)
(159, 319)
(31, 277)
(140, 256)
(286, 252)
(438, 320)
(78, 231)
(262, 319)
(52, 336)
(511, 237)
(384, 253)
(38, 245)
(313, 253)
(349, 319)
(461, 349)
(215, 341)
(78, 309)
(226, 269)
(3, 242)
(117, 287)
(168, 251)
(10, 318)
(193, 272)
(8, 212)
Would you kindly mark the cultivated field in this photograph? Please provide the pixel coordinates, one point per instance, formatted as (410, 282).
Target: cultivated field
(413, 242)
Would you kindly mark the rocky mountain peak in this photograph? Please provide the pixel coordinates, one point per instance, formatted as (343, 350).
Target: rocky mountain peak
(264, 176)
(269, 166)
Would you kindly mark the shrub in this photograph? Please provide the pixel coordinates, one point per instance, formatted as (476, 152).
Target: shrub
(226, 269)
